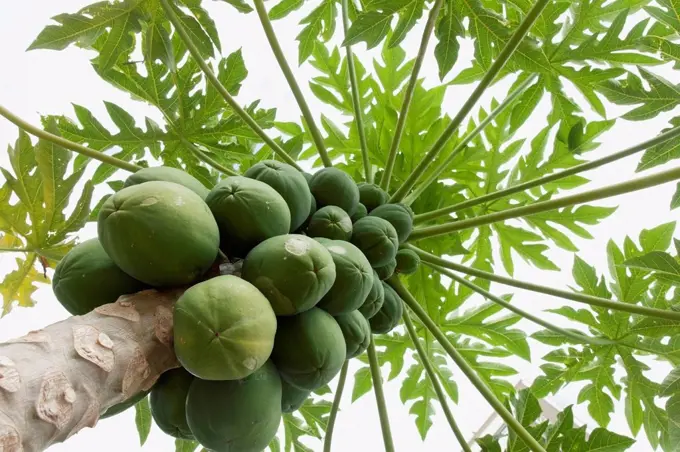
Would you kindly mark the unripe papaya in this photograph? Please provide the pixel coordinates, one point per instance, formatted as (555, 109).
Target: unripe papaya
(333, 187)
(372, 196)
(289, 183)
(389, 314)
(224, 329)
(292, 398)
(399, 215)
(385, 271)
(160, 233)
(87, 278)
(357, 332)
(375, 298)
(168, 403)
(167, 174)
(377, 239)
(360, 213)
(330, 222)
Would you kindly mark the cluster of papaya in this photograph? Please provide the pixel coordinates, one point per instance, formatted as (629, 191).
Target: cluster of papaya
(314, 251)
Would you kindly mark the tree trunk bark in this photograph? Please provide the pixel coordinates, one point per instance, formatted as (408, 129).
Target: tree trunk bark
(58, 380)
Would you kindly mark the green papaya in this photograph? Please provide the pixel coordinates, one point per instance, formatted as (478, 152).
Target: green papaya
(372, 196)
(308, 177)
(248, 212)
(125, 405)
(353, 278)
(389, 314)
(386, 271)
(375, 298)
(333, 187)
(289, 183)
(377, 239)
(330, 222)
(407, 261)
(293, 271)
(167, 174)
(309, 349)
(238, 415)
(357, 332)
(292, 398)
(303, 226)
(399, 215)
(160, 233)
(168, 403)
(86, 278)
(224, 329)
(360, 213)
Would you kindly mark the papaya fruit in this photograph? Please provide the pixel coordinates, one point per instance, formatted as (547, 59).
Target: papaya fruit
(407, 261)
(375, 298)
(333, 187)
(330, 222)
(125, 405)
(168, 403)
(399, 215)
(353, 278)
(372, 196)
(167, 174)
(309, 349)
(292, 398)
(224, 329)
(389, 314)
(248, 212)
(385, 271)
(303, 227)
(237, 415)
(289, 183)
(160, 233)
(86, 278)
(360, 213)
(293, 271)
(357, 332)
(377, 239)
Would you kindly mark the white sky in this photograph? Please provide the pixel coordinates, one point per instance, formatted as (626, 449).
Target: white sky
(47, 82)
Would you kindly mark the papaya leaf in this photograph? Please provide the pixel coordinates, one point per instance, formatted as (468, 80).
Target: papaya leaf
(37, 224)
(143, 420)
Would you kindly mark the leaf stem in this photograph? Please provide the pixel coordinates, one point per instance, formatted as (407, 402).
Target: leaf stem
(574, 296)
(380, 396)
(212, 78)
(580, 338)
(621, 188)
(408, 95)
(292, 83)
(68, 144)
(356, 98)
(460, 361)
(328, 439)
(4, 249)
(662, 138)
(436, 384)
(484, 83)
(206, 158)
(469, 137)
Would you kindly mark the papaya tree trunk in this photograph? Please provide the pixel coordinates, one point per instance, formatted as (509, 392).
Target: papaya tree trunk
(58, 380)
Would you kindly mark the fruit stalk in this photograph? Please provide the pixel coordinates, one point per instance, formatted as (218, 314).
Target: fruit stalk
(328, 438)
(429, 369)
(68, 144)
(469, 137)
(408, 95)
(469, 372)
(484, 83)
(212, 79)
(292, 83)
(597, 194)
(627, 306)
(356, 98)
(380, 397)
(56, 381)
(662, 138)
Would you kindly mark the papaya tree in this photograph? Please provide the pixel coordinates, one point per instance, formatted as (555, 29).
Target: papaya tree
(262, 264)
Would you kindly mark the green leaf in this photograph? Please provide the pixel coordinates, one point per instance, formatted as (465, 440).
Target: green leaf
(362, 383)
(661, 97)
(240, 5)
(661, 153)
(671, 384)
(283, 8)
(675, 201)
(370, 27)
(184, 445)
(143, 419)
(319, 24)
(602, 440)
(668, 13)
(447, 31)
(664, 266)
